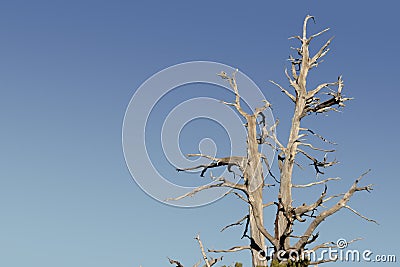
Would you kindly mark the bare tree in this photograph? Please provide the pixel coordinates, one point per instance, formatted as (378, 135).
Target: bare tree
(326, 97)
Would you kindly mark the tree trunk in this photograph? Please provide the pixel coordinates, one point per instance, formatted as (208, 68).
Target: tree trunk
(254, 180)
(257, 239)
(285, 189)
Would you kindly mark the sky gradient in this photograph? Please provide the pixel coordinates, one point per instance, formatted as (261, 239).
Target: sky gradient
(68, 70)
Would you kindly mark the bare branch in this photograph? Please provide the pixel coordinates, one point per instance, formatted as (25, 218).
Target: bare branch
(217, 162)
(332, 244)
(303, 209)
(317, 135)
(240, 196)
(336, 99)
(221, 182)
(319, 88)
(268, 204)
(233, 84)
(261, 109)
(317, 34)
(294, 63)
(292, 82)
(359, 214)
(283, 90)
(273, 136)
(269, 133)
(264, 159)
(315, 183)
(202, 250)
(214, 261)
(313, 238)
(260, 226)
(318, 164)
(340, 204)
(305, 26)
(233, 249)
(316, 148)
(322, 51)
(239, 222)
(332, 197)
(177, 263)
(295, 37)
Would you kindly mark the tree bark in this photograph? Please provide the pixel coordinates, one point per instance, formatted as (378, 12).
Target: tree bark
(254, 180)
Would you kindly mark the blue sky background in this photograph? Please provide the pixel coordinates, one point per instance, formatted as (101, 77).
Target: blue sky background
(68, 70)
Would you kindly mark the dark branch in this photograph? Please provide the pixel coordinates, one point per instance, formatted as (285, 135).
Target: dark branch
(216, 162)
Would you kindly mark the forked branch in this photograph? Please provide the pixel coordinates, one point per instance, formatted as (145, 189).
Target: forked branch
(325, 214)
(233, 84)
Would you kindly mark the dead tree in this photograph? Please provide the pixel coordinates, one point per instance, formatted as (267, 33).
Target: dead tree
(326, 97)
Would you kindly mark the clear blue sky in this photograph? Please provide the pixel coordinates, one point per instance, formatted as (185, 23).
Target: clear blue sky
(68, 70)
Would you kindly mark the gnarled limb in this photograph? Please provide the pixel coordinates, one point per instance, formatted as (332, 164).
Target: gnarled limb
(325, 214)
(216, 162)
